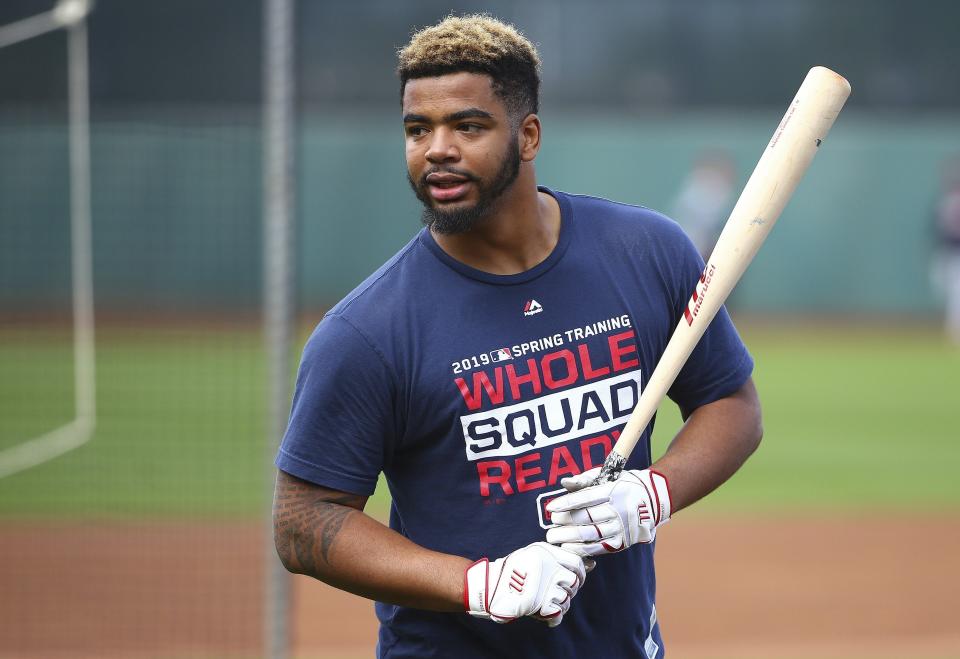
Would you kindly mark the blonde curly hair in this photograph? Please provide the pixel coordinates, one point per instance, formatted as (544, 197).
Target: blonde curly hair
(477, 43)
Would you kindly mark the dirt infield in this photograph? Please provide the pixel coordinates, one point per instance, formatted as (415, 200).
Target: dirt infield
(731, 588)
(121, 590)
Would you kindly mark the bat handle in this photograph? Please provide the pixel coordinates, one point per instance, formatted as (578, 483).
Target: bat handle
(650, 398)
(611, 469)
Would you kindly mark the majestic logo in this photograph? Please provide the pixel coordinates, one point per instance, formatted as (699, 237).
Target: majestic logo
(532, 307)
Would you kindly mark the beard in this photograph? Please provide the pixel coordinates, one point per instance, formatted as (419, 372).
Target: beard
(465, 218)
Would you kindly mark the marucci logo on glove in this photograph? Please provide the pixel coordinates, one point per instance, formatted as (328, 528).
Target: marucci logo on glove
(643, 513)
(516, 581)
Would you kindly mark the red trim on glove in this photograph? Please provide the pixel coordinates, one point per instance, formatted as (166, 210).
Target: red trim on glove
(656, 503)
(611, 548)
(667, 481)
(489, 595)
(595, 527)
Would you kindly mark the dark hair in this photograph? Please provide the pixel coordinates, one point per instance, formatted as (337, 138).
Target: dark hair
(477, 44)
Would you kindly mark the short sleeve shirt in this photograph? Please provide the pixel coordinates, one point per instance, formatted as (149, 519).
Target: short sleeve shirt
(474, 394)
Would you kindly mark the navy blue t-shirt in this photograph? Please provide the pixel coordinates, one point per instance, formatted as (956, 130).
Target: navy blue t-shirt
(476, 393)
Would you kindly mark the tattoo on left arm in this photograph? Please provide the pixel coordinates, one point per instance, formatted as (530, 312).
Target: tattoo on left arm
(307, 520)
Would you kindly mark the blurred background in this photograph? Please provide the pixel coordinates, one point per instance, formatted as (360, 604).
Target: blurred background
(146, 315)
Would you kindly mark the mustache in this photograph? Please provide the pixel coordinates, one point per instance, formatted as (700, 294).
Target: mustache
(447, 170)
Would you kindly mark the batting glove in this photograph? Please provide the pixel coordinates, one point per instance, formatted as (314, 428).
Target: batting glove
(606, 518)
(538, 580)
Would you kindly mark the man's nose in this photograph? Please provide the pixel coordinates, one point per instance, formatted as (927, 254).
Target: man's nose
(442, 147)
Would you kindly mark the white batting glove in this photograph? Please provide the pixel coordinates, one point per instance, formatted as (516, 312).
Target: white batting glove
(538, 580)
(609, 517)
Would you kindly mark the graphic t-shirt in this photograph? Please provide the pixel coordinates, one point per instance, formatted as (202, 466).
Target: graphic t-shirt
(476, 393)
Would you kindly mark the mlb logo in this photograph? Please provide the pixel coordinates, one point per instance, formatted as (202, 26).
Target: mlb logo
(500, 355)
(542, 502)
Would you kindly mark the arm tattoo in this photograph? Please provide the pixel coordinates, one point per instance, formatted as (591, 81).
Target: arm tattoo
(307, 520)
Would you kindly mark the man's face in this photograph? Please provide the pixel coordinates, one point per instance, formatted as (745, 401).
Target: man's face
(461, 146)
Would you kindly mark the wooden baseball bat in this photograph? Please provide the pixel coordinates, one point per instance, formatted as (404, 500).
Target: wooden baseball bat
(784, 162)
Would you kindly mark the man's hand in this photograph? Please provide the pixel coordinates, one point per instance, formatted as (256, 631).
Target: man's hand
(609, 517)
(538, 580)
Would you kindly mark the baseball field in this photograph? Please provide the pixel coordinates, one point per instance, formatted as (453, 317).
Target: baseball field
(839, 537)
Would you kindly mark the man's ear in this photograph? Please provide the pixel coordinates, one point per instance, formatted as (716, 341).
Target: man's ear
(529, 137)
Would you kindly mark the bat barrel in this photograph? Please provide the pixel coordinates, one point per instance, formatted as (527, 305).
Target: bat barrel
(786, 158)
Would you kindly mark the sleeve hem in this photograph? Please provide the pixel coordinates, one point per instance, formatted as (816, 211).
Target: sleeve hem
(723, 388)
(324, 476)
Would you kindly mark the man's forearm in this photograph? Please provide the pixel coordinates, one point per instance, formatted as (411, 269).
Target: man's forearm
(324, 534)
(714, 442)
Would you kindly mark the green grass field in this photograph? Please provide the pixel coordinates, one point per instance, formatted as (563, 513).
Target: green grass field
(180, 424)
(854, 420)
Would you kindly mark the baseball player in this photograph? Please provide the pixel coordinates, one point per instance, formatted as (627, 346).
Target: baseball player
(486, 369)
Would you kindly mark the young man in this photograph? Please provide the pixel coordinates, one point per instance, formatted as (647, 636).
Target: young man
(496, 355)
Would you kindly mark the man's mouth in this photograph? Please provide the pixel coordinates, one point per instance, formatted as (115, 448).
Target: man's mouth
(445, 186)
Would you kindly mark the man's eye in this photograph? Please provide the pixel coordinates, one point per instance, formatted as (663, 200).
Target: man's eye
(416, 131)
(471, 128)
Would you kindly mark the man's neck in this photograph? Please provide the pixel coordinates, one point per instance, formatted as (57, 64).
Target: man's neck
(522, 232)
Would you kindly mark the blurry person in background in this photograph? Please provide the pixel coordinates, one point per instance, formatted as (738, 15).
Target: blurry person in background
(706, 198)
(948, 234)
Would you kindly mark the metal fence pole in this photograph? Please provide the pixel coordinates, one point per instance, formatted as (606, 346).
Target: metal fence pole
(277, 285)
(81, 227)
